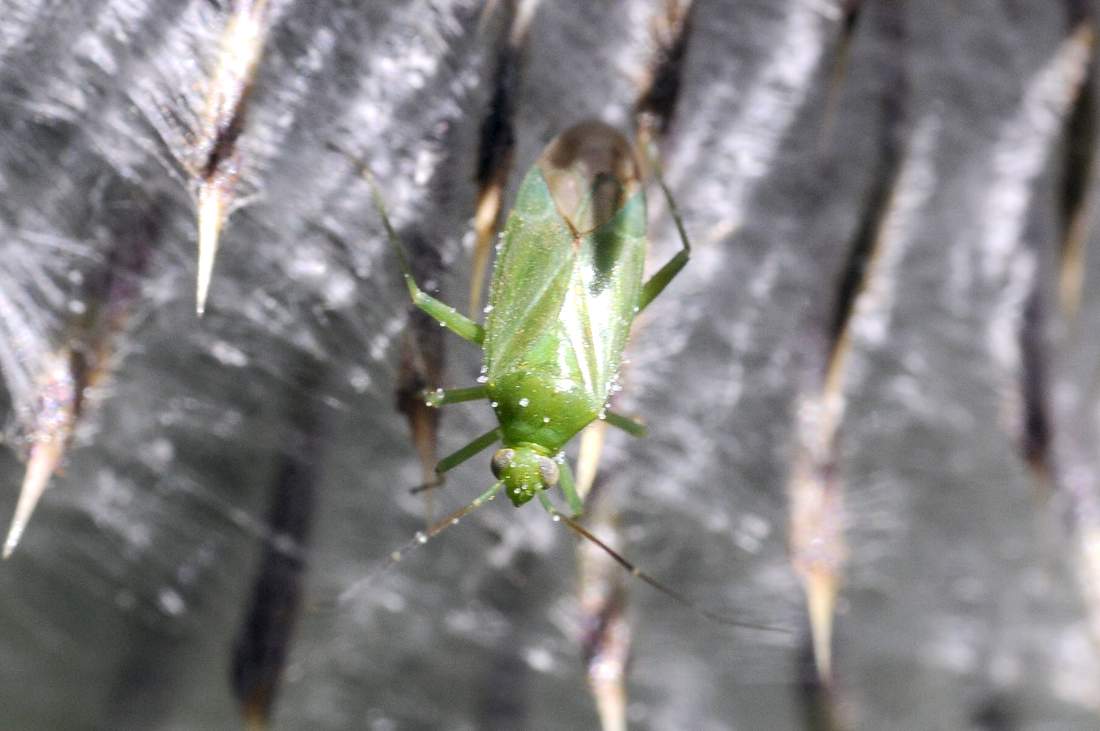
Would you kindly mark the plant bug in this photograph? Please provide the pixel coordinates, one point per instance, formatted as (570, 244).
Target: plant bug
(566, 287)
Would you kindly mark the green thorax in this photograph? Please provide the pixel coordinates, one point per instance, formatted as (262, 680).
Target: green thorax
(561, 304)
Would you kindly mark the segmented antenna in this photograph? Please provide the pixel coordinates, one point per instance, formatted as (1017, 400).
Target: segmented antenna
(636, 572)
(424, 536)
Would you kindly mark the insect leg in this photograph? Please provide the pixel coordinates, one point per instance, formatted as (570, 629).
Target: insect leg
(657, 283)
(440, 397)
(448, 316)
(569, 489)
(629, 424)
(459, 456)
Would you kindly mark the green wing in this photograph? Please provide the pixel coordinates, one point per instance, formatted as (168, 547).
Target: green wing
(563, 307)
(603, 296)
(530, 278)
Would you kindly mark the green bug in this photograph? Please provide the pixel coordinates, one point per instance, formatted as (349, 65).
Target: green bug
(567, 284)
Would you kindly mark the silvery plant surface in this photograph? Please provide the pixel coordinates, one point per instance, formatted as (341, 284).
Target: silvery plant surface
(871, 396)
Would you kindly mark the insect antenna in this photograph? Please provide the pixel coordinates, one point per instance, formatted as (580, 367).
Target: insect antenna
(636, 572)
(423, 537)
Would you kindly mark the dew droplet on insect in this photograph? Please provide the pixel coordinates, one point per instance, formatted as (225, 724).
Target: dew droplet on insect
(421, 537)
(524, 401)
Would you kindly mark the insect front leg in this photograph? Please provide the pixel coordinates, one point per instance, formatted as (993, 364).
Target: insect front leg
(657, 283)
(442, 397)
(459, 456)
(447, 316)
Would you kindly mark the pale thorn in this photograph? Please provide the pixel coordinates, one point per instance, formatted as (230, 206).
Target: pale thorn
(610, 702)
(210, 225)
(485, 218)
(45, 457)
(588, 456)
(821, 592)
(254, 718)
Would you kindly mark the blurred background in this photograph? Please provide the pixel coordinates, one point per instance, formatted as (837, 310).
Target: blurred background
(872, 396)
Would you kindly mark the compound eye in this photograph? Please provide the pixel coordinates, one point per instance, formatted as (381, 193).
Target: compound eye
(502, 460)
(548, 470)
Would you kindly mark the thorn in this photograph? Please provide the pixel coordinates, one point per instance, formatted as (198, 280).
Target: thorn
(821, 590)
(485, 220)
(59, 400)
(255, 717)
(588, 457)
(211, 216)
(44, 460)
(230, 87)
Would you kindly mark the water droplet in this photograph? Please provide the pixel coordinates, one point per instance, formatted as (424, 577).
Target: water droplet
(524, 402)
(170, 602)
(421, 537)
(359, 379)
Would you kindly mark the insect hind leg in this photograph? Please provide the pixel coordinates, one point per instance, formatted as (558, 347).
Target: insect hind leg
(657, 283)
(447, 316)
(629, 424)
